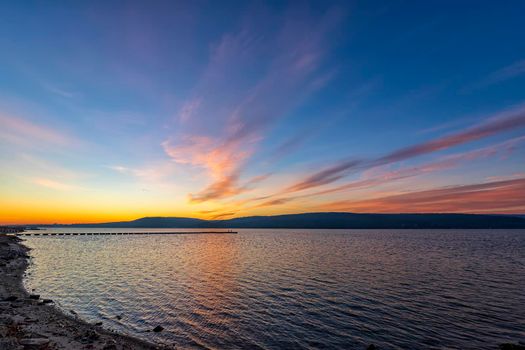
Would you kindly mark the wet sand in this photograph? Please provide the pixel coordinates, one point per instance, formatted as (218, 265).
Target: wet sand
(28, 322)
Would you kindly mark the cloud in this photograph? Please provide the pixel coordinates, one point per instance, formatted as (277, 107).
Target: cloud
(154, 173)
(499, 196)
(243, 92)
(218, 158)
(504, 122)
(382, 177)
(509, 72)
(326, 176)
(221, 188)
(23, 132)
(53, 184)
(189, 109)
(222, 160)
(273, 202)
(225, 187)
(60, 91)
(506, 177)
(223, 215)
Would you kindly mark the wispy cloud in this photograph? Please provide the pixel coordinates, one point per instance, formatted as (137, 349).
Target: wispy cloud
(189, 109)
(503, 122)
(54, 184)
(509, 72)
(381, 177)
(227, 187)
(220, 159)
(59, 91)
(23, 132)
(152, 173)
(499, 196)
(506, 177)
(230, 113)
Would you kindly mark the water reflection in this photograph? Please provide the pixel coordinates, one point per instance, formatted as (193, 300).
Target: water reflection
(295, 288)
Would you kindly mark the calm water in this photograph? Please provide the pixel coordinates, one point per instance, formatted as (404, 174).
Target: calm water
(294, 289)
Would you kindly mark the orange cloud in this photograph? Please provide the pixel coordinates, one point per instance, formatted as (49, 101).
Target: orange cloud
(378, 178)
(492, 197)
(221, 160)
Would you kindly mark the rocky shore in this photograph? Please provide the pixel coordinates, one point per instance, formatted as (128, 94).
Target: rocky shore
(28, 322)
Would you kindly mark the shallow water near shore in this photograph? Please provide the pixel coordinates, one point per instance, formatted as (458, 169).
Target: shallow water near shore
(307, 289)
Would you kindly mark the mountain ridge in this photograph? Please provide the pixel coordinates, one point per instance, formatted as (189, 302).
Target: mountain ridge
(329, 220)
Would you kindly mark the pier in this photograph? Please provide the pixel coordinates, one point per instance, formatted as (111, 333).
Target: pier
(123, 233)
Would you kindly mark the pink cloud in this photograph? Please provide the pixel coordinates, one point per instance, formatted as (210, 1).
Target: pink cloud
(218, 158)
(189, 109)
(501, 123)
(53, 184)
(381, 177)
(492, 197)
(26, 133)
(233, 112)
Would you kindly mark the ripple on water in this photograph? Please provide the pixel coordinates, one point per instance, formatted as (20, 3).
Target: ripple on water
(303, 289)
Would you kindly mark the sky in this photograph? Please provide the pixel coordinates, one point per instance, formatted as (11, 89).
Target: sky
(116, 110)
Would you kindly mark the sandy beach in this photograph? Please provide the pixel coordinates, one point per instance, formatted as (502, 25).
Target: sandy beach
(28, 322)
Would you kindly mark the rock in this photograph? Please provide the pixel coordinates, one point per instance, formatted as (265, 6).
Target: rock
(98, 324)
(8, 344)
(47, 301)
(89, 337)
(73, 312)
(34, 343)
(6, 319)
(34, 296)
(509, 346)
(11, 298)
(110, 345)
(17, 319)
(118, 317)
(158, 329)
(4, 332)
(371, 347)
(92, 335)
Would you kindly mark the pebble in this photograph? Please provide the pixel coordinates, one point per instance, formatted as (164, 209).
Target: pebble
(158, 329)
(110, 345)
(34, 342)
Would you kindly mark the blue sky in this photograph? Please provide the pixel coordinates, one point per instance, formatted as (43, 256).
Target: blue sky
(190, 108)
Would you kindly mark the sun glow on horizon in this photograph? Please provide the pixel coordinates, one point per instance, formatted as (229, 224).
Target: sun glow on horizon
(276, 109)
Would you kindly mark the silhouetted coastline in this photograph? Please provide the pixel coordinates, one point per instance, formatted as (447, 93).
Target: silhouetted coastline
(335, 220)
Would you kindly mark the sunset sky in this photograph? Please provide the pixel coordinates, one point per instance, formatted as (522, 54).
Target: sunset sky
(118, 110)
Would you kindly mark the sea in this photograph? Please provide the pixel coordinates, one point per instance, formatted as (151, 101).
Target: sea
(292, 288)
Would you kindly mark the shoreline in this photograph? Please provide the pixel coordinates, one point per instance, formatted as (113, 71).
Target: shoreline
(27, 322)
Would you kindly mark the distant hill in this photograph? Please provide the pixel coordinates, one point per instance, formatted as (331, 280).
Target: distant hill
(329, 221)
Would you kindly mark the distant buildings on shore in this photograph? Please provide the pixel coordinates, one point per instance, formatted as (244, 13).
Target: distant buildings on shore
(11, 229)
